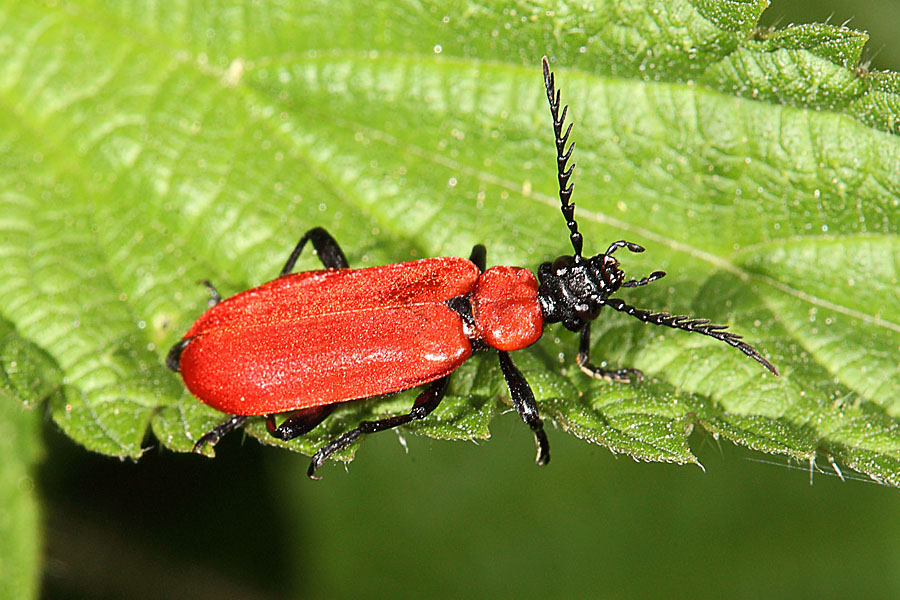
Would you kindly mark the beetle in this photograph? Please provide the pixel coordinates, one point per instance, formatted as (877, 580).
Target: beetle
(306, 342)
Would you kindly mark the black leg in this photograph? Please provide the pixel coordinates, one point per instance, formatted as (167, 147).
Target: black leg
(523, 400)
(326, 248)
(212, 436)
(427, 401)
(584, 362)
(299, 423)
(479, 256)
(173, 358)
(214, 296)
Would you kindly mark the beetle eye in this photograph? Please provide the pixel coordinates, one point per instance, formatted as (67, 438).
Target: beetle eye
(561, 264)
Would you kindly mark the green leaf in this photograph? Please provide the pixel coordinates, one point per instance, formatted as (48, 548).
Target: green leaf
(149, 146)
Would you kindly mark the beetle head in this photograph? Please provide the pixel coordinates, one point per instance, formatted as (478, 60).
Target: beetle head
(573, 289)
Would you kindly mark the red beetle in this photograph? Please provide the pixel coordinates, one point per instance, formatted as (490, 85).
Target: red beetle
(305, 342)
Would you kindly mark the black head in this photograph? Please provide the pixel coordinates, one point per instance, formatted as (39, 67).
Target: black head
(573, 292)
(573, 289)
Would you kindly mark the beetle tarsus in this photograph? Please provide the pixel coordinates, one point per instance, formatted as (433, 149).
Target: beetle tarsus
(543, 448)
(214, 296)
(426, 402)
(625, 375)
(583, 359)
(213, 436)
(340, 443)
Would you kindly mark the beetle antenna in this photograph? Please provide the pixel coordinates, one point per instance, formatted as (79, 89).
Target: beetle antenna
(696, 325)
(623, 244)
(644, 280)
(562, 158)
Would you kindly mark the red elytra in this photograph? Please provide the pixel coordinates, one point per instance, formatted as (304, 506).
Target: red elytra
(323, 337)
(306, 342)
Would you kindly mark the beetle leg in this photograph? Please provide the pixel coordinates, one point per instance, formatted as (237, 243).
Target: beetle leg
(479, 256)
(173, 358)
(523, 400)
(583, 358)
(214, 296)
(427, 401)
(213, 436)
(326, 248)
(299, 423)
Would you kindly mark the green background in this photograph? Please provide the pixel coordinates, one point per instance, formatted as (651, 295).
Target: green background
(447, 519)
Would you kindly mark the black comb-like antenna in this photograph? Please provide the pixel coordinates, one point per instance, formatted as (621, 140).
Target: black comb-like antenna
(562, 157)
(690, 324)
